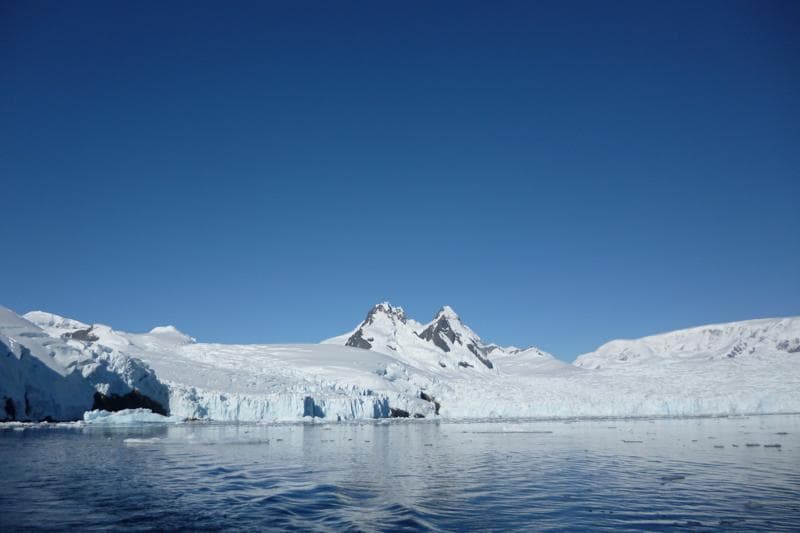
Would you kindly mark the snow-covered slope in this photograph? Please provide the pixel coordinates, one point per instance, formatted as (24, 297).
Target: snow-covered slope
(759, 339)
(52, 366)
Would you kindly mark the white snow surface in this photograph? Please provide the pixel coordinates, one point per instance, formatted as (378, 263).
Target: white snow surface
(737, 368)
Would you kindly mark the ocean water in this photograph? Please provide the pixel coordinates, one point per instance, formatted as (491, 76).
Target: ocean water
(664, 474)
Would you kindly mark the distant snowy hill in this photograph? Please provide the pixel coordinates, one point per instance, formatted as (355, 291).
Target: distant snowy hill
(747, 339)
(390, 365)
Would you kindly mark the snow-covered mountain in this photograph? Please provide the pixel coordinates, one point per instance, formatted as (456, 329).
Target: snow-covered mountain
(390, 365)
(444, 341)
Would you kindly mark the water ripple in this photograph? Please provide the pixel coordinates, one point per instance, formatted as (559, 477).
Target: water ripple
(433, 476)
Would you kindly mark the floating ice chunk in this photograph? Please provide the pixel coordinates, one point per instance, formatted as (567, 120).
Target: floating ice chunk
(153, 440)
(127, 417)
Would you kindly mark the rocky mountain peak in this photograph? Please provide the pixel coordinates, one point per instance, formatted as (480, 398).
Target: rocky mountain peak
(446, 341)
(381, 316)
(447, 313)
(446, 331)
(387, 309)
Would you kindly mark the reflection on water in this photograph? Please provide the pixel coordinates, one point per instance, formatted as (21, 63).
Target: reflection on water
(643, 474)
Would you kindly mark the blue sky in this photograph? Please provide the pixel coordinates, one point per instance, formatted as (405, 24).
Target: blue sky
(561, 173)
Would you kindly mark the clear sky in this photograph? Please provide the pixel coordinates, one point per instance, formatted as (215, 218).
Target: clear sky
(561, 173)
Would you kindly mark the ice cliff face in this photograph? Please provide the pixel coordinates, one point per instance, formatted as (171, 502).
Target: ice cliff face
(54, 367)
(59, 377)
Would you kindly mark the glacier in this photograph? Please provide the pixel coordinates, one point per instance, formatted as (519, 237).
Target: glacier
(46, 377)
(56, 368)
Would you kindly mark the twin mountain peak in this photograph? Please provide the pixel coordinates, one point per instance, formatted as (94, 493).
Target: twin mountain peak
(388, 329)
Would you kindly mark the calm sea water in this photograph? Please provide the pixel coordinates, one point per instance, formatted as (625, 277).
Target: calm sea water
(683, 474)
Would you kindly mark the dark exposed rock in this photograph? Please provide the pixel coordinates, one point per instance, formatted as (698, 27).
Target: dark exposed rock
(11, 409)
(481, 356)
(132, 400)
(438, 331)
(84, 335)
(464, 364)
(442, 365)
(357, 340)
(789, 346)
(737, 349)
(398, 413)
(419, 415)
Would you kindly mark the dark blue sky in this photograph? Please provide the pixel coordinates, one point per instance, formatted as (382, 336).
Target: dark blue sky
(561, 173)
